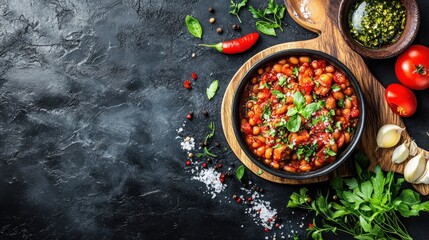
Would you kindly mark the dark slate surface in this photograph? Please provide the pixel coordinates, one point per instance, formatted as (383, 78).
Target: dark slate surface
(90, 99)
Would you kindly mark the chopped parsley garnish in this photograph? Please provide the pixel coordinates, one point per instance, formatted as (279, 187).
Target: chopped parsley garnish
(338, 125)
(330, 152)
(295, 72)
(335, 88)
(340, 103)
(282, 80)
(279, 94)
(266, 113)
(307, 150)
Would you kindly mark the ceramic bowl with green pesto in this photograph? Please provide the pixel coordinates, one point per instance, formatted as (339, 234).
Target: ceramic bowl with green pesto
(379, 29)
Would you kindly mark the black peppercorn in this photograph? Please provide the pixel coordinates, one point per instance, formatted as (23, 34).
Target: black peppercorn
(217, 144)
(211, 10)
(205, 113)
(236, 27)
(219, 30)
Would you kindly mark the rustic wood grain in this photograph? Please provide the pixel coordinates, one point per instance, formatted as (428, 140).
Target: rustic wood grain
(320, 16)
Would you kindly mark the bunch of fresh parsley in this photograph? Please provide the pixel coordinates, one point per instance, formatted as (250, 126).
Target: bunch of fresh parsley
(270, 18)
(236, 7)
(367, 207)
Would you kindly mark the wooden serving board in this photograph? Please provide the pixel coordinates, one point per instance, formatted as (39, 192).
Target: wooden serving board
(321, 16)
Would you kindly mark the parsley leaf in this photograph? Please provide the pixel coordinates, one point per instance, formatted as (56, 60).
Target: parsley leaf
(212, 89)
(212, 133)
(330, 152)
(266, 113)
(235, 8)
(340, 103)
(282, 80)
(270, 18)
(335, 88)
(295, 72)
(368, 205)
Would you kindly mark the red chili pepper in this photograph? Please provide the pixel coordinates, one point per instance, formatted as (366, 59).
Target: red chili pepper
(187, 84)
(194, 76)
(234, 46)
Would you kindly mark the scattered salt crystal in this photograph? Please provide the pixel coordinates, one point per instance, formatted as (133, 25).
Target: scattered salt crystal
(211, 178)
(179, 130)
(188, 144)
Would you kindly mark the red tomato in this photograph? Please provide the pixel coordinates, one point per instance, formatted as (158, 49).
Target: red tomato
(401, 99)
(412, 67)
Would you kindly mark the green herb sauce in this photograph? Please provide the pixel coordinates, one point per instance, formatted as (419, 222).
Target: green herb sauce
(376, 23)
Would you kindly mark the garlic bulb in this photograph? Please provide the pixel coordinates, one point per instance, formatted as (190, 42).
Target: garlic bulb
(401, 153)
(413, 148)
(415, 168)
(389, 135)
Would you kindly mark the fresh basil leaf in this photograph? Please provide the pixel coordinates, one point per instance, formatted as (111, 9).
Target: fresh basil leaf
(309, 110)
(298, 100)
(212, 89)
(294, 123)
(194, 26)
(282, 80)
(266, 28)
(239, 172)
(291, 112)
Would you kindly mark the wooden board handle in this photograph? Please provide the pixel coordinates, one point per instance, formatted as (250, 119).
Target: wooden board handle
(310, 14)
(321, 16)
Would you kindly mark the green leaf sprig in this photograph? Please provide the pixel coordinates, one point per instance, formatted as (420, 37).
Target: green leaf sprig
(235, 8)
(194, 26)
(300, 108)
(210, 135)
(367, 207)
(212, 89)
(270, 18)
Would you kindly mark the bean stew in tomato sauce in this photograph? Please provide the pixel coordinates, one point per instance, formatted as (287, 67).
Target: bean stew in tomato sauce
(298, 113)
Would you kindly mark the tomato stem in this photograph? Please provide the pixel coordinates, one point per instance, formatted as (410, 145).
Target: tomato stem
(420, 69)
(401, 110)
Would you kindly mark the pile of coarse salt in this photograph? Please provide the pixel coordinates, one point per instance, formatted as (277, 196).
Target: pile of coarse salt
(210, 177)
(260, 210)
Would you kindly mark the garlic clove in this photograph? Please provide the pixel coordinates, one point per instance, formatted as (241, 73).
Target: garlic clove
(389, 135)
(414, 168)
(413, 148)
(424, 179)
(401, 153)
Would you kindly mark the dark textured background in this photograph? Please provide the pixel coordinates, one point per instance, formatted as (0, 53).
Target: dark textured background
(90, 99)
